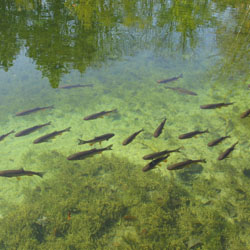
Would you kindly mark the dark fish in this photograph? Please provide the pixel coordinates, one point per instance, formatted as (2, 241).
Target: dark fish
(131, 137)
(49, 136)
(248, 86)
(170, 79)
(96, 139)
(98, 115)
(224, 154)
(3, 136)
(217, 141)
(181, 90)
(159, 129)
(183, 164)
(159, 154)
(29, 111)
(19, 172)
(88, 153)
(245, 114)
(30, 130)
(153, 163)
(75, 86)
(216, 105)
(192, 134)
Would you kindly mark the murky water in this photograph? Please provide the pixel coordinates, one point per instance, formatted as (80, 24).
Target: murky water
(123, 49)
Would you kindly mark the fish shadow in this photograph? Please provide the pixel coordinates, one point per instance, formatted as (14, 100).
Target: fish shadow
(190, 173)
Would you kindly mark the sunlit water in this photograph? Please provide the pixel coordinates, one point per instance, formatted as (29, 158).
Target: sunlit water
(123, 57)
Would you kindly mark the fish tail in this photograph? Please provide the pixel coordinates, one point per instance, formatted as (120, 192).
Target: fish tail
(206, 131)
(178, 149)
(51, 107)
(67, 129)
(109, 147)
(12, 131)
(48, 123)
(80, 142)
(41, 174)
(203, 160)
(181, 75)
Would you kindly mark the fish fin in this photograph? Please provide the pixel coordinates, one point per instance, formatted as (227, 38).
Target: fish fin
(100, 143)
(91, 144)
(102, 116)
(196, 136)
(165, 160)
(41, 174)
(69, 215)
(99, 153)
(159, 164)
(18, 178)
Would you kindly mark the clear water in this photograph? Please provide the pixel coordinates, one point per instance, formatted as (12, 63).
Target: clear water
(123, 48)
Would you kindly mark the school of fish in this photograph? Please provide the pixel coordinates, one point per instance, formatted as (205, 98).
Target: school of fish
(156, 157)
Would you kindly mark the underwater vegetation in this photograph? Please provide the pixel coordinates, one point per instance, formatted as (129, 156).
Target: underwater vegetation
(108, 203)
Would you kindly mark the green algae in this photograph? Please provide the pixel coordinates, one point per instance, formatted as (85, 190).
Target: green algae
(114, 205)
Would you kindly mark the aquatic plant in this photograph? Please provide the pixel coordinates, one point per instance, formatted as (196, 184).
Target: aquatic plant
(109, 203)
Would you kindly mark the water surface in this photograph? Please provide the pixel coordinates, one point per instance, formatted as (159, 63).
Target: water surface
(123, 48)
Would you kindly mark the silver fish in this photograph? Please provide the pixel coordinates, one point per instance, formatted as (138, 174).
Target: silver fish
(88, 153)
(32, 129)
(29, 111)
(19, 172)
(50, 135)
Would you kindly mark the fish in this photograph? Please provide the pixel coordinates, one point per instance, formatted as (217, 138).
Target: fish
(30, 130)
(97, 139)
(19, 172)
(153, 163)
(88, 153)
(50, 135)
(158, 131)
(98, 115)
(192, 134)
(29, 111)
(75, 86)
(225, 154)
(181, 90)
(131, 137)
(183, 164)
(159, 154)
(4, 135)
(170, 79)
(248, 86)
(245, 114)
(217, 141)
(216, 105)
